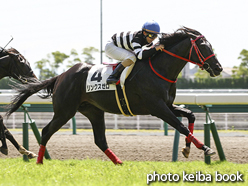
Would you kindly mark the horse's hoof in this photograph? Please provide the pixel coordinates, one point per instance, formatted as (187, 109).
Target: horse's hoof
(186, 151)
(4, 151)
(119, 163)
(32, 155)
(209, 152)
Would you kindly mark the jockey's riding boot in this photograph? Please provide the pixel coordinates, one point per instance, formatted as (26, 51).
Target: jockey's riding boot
(115, 76)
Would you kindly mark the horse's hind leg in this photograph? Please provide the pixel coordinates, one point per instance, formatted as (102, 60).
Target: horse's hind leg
(96, 117)
(59, 119)
(183, 112)
(3, 148)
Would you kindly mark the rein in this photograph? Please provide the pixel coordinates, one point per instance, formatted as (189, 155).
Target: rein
(197, 50)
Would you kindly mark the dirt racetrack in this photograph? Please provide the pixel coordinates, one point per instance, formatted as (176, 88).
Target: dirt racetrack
(133, 147)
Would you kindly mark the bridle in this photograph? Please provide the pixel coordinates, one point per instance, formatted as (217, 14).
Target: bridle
(203, 64)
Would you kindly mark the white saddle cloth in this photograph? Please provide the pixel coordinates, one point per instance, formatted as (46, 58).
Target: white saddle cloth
(98, 74)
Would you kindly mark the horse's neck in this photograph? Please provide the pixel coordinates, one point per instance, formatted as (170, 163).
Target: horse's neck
(4, 67)
(169, 66)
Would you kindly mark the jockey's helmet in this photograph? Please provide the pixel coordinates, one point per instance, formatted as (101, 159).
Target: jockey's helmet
(151, 27)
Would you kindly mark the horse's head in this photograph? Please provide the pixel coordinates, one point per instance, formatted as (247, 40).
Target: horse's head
(13, 64)
(202, 53)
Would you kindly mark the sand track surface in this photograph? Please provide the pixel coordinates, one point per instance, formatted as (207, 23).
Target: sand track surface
(131, 147)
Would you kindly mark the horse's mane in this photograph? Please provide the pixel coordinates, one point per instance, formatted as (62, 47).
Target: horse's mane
(180, 34)
(4, 52)
(12, 51)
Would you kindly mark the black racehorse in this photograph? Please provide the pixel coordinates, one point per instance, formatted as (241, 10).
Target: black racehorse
(14, 65)
(150, 89)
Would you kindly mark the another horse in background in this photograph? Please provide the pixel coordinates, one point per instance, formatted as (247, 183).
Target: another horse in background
(150, 89)
(13, 64)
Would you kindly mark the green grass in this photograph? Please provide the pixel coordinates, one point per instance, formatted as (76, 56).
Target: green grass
(96, 172)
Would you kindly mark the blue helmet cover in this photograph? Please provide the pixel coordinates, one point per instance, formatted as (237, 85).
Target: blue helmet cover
(151, 27)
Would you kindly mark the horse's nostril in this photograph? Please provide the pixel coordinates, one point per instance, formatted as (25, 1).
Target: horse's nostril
(219, 68)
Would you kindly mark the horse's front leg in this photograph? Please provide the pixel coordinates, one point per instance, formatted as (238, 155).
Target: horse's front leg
(19, 147)
(11, 138)
(3, 148)
(159, 109)
(183, 112)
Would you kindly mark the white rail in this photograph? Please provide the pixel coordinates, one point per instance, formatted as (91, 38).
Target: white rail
(181, 98)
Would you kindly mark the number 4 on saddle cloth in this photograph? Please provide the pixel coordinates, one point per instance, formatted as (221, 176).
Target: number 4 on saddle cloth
(97, 81)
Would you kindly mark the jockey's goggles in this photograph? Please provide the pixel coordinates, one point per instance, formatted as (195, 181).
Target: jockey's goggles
(152, 36)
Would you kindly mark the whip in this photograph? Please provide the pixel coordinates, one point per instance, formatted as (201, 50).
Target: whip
(6, 45)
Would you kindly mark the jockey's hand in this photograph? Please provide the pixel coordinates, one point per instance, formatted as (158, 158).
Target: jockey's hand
(159, 47)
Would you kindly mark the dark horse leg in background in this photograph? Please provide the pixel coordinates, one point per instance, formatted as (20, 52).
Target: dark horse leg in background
(3, 148)
(183, 112)
(5, 133)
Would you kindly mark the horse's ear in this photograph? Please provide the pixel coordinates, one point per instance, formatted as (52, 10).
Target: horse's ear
(162, 37)
(191, 32)
(191, 35)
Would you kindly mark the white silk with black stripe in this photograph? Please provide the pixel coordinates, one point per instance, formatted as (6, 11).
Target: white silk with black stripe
(134, 42)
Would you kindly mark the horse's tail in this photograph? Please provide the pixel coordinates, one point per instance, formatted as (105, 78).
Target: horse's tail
(26, 90)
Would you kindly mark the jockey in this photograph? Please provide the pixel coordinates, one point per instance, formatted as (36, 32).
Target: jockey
(127, 47)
